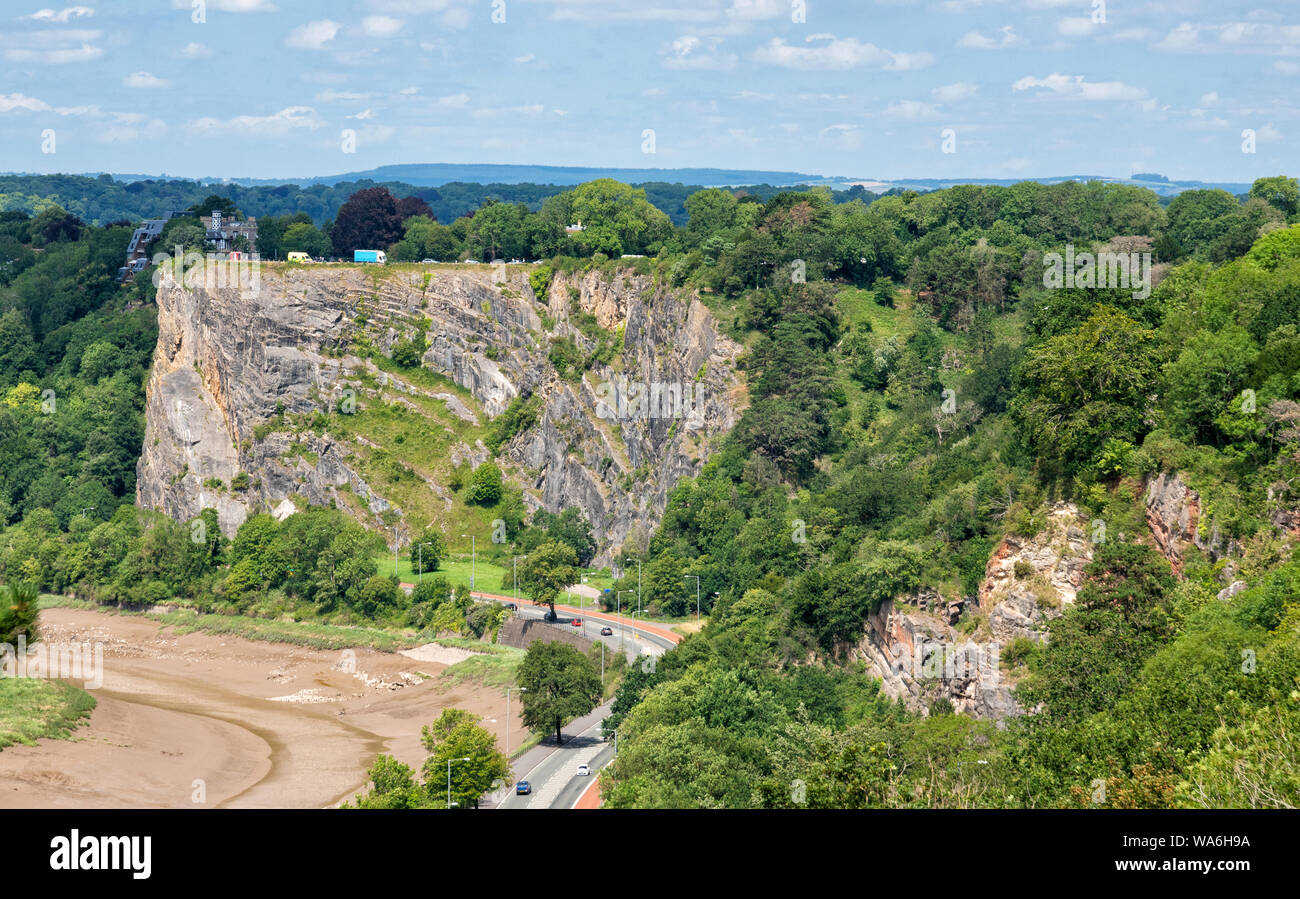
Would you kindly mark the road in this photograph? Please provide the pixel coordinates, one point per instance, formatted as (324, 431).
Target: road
(555, 779)
(551, 769)
(655, 638)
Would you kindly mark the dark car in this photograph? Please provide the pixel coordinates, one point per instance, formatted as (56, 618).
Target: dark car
(523, 788)
(512, 607)
(607, 631)
(550, 616)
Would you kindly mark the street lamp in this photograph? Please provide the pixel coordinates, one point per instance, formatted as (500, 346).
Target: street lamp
(619, 606)
(420, 577)
(697, 593)
(395, 548)
(449, 761)
(508, 689)
(473, 549)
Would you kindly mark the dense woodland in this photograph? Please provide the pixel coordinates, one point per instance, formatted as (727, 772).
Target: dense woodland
(915, 393)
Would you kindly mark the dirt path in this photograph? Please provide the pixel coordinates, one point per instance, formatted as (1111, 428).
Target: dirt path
(260, 725)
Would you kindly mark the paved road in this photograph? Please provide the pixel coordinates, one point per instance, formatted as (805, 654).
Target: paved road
(650, 635)
(552, 770)
(633, 643)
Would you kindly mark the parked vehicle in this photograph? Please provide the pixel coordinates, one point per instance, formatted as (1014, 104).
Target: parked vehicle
(378, 256)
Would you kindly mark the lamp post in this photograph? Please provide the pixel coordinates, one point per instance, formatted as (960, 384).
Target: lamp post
(420, 577)
(473, 557)
(395, 548)
(638, 585)
(697, 593)
(508, 689)
(617, 597)
(449, 761)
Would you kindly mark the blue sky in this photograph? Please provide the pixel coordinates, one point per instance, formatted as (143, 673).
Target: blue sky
(268, 88)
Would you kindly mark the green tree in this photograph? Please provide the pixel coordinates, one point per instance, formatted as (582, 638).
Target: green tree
(1281, 192)
(485, 485)
(559, 684)
(427, 550)
(454, 737)
(547, 570)
(19, 613)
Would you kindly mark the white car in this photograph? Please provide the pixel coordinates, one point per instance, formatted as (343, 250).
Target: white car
(584, 770)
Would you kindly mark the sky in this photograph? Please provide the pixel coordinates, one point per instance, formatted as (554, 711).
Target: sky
(888, 89)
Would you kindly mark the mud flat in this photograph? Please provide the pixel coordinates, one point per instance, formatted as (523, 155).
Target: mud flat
(238, 723)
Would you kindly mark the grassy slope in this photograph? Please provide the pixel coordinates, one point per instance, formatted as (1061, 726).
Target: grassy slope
(31, 708)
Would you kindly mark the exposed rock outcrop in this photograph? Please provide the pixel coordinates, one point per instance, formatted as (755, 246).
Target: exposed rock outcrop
(230, 359)
(920, 658)
(913, 646)
(1174, 515)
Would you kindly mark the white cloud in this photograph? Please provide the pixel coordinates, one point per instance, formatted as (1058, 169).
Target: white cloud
(11, 102)
(235, 6)
(313, 35)
(1075, 26)
(456, 101)
(525, 59)
(1210, 99)
(195, 50)
(85, 53)
(952, 93)
(751, 10)
(975, 40)
(381, 26)
(1234, 38)
(1287, 67)
(62, 16)
(689, 52)
(278, 124)
(145, 81)
(333, 96)
(838, 53)
(912, 110)
(1076, 87)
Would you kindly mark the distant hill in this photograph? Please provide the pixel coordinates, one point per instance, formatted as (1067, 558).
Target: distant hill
(437, 174)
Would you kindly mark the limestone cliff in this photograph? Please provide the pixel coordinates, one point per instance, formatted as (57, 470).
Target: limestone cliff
(248, 382)
(916, 647)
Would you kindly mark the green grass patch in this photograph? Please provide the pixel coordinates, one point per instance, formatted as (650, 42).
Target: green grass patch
(498, 669)
(32, 708)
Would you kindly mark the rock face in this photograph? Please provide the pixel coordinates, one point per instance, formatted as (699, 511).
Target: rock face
(1173, 513)
(1029, 579)
(920, 657)
(231, 358)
